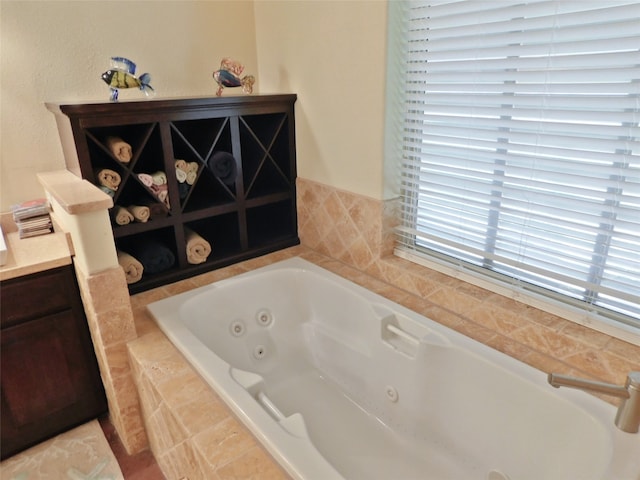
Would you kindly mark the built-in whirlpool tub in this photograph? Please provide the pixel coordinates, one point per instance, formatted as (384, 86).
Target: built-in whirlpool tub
(338, 382)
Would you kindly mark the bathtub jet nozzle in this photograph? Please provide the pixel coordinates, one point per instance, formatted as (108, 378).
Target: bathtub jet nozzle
(628, 415)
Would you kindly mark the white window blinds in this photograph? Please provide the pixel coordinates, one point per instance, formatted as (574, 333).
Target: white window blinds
(518, 137)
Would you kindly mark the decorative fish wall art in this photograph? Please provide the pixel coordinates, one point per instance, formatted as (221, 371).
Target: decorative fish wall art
(229, 75)
(122, 75)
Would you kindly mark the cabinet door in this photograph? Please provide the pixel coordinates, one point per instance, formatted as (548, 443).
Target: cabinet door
(50, 381)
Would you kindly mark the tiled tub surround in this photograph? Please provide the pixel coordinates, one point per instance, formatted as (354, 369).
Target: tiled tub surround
(349, 235)
(193, 435)
(329, 220)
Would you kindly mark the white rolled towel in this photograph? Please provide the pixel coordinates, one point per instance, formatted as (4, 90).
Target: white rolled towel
(181, 175)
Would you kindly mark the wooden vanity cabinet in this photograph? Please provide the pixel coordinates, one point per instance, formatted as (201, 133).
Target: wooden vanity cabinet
(49, 377)
(249, 215)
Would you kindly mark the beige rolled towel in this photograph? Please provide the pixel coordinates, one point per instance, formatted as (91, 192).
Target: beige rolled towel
(141, 213)
(156, 209)
(121, 215)
(182, 165)
(108, 178)
(133, 269)
(191, 177)
(198, 249)
(120, 149)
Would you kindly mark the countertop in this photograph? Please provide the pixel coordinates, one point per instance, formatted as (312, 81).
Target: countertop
(32, 255)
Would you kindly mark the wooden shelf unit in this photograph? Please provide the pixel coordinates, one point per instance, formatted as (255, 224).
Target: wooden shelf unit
(249, 216)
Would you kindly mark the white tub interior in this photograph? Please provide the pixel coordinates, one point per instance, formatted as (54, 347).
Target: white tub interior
(338, 382)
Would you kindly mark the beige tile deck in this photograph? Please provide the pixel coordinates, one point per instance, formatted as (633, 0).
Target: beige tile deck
(195, 435)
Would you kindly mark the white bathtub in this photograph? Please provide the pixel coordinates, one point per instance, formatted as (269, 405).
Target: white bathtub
(340, 383)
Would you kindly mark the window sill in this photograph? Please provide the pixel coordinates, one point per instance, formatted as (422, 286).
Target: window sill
(592, 321)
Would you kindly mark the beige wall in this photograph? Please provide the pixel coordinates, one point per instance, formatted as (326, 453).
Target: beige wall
(56, 51)
(332, 54)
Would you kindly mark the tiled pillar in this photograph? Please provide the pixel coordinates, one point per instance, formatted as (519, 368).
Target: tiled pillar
(106, 302)
(81, 210)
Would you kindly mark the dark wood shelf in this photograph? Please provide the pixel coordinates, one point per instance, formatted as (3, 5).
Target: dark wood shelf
(241, 217)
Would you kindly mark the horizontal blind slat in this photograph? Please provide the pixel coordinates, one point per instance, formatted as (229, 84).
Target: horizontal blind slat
(519, 143)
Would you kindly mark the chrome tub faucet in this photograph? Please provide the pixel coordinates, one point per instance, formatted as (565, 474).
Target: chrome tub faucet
(628, 416)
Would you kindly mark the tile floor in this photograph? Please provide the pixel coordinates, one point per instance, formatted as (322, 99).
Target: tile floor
(141, 466)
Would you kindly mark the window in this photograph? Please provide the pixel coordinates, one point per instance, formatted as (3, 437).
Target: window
(516, 125)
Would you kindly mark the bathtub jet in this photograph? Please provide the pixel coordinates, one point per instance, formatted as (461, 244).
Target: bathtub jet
(340, 383)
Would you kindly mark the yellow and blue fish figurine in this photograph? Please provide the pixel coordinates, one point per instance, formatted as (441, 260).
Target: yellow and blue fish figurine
(229, 76)
(122, 75)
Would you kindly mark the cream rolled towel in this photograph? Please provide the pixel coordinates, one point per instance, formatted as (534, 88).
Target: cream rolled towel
(192, 167)
(140, 213)
(191, 177)
(133, 269)
(198, 249)
(108, 178)
(159, 178)
(181, 175)
(121, 215)
(120, 149)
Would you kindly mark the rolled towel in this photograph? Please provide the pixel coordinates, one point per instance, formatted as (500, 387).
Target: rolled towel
(198, 249)
(120, 149)
(121, 216)
(108, 178)
(182, 165)
(223, 166)
(133, 269)
(146, 179)
(181, 175)
(108, 191)
(159, 178)
(192, 167)
(162, 193)
(183, 190)
(154, 256)
(191, 177)
(140, 213)
(156, 209)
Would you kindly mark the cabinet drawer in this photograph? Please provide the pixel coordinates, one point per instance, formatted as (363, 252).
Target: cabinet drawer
(33, 296)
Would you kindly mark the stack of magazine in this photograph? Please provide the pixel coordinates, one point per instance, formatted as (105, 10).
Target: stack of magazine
(32, 218)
